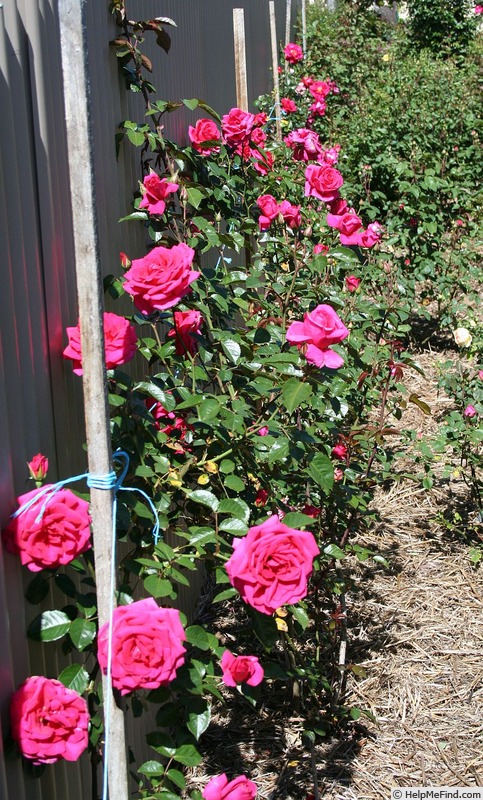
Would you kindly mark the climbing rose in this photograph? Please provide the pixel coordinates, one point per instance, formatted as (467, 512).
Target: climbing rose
(38, 467)
(270, 210)
(288, 105)
(186, 323)
(240, 788)
(320, 89)
(49, 722)
(237, 126)
(271, 565)
(346, 223)
(352, 283)
(60, 535)
(160, 279)
(305, 144)
(319, 329)
(146, 646)
(204, 131)
(470, 411)
(241, 669)
(291, 214)
(322, 182)
(120, 342)
(155, 191)
(293, 53)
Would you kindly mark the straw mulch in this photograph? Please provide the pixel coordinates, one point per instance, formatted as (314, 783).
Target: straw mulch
(417, 632)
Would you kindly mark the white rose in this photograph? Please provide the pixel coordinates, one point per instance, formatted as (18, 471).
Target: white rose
(462, 337)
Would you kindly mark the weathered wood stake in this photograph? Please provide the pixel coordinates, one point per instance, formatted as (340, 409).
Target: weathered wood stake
(86, 247)
(276, 89)
(240, 58)
(304, 28)
(288, 21)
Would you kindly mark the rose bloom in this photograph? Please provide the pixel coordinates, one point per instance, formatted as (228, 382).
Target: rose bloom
(120, 342)
(346, 223)
(59, 536)
(340, 451)
(147, 646)
(270, 210)
(330, 156)
(291, 214)
(338, 474)
(288, 105)
(322, 249)
(263, 162)
(38, 467)
(470, 411)
(176, 427)
(478, 9)
(263, 431)
(305, 144)
(237, 126)
(49, 722)
(462, 337)
(155, 191)
(352, 283)
(241, 669)
(204, 131)
(293, 53)
(311, 511)
(160, 279)
(186, 323)
(261, 498)
(320, 89)
(271, 565)
(219, 788)
(319, 329)
(371, 236)
(480, 374)
(322, 182)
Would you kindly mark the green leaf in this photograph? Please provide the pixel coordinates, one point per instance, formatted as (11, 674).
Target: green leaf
(158, 587)
(208, 409)
(301, 616)
(236, 526)
(49, 626)
(226, 466)
(37, 589)
(295, 519)
(75, 677)
(82, 632)
(66, 584)
(188, 755)
(413, 398)
(198, 716)
(334, 551)
(176, 777)
(205, 498)
(237, 508)
(191, 104)
(152, 769)
(198, 636)
(194, 196)
(231, 349)
(294, 393)
(321, 470)
(265, 628)
(234, 483)
(165, 398)
(225, 595)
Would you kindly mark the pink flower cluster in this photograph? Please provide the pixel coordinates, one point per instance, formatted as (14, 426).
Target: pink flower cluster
(272, 210)
(306, 146)
(243, 133)
(168, 422)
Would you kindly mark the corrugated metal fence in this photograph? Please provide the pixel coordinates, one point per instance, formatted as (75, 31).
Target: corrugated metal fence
(40, 399)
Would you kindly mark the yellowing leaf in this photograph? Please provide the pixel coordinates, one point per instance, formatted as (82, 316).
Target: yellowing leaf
(204, 479)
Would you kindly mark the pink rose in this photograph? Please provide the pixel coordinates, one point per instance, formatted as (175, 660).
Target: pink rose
(330, 156)
(291, 214)
(340, 451)
(480, 372)
(147, 646)
(470, 411)
(162, 278)
(176, 427)
(319, 329)
(155, 191)
(204, 131)
(365, 238)
(319, 89)
(241, 669)
(59, 536)
(288, 105)
(346, 223)
(240, 788)
(293, 53)
(269, 208)
(263, 431)
(338, 474)
(237, 126)
(322, 182)
(305, 144)
(49, 722)
(352, 283)
(185, 324)
(271, 565)
(261, 498)
(38, 467)
(478, 9)
(321, 249)
(120, 342)
(311, 511)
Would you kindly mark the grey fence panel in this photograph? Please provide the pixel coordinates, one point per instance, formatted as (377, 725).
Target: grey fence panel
(40, 398)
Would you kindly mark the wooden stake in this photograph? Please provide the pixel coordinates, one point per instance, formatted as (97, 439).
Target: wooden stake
(288, 21)
(86, 248)
(304, 28)
(276, 89)
(240, 58)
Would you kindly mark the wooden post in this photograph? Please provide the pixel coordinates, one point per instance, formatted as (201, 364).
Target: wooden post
(240, 59)
(273, 38)
(304, 28)
(288, 21)
(86, 248)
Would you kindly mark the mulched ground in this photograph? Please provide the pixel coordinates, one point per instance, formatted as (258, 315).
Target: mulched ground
(416, 630)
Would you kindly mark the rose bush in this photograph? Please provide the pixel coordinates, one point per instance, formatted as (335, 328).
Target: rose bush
(48, 721)
(147, 647)
(54, 536)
